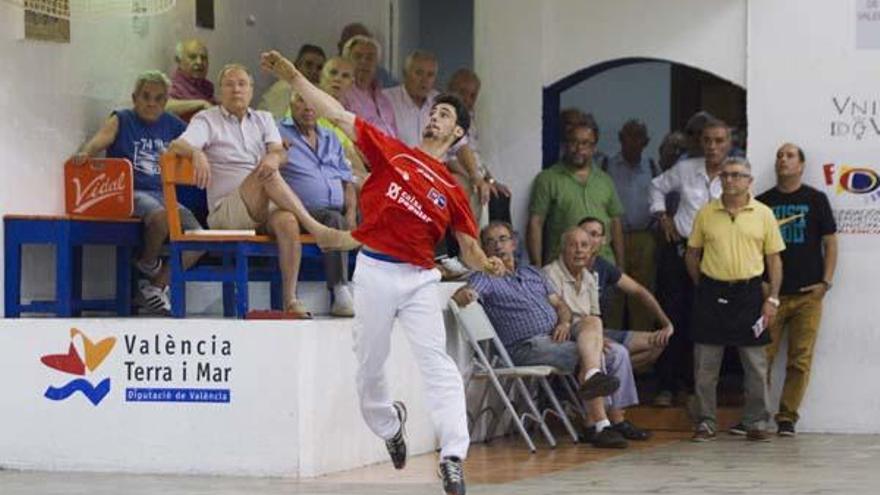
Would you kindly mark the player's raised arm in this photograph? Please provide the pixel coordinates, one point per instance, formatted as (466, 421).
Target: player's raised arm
(324, 104)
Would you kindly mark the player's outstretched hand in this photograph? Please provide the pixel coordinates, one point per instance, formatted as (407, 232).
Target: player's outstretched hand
(274, 62)
(495, 267)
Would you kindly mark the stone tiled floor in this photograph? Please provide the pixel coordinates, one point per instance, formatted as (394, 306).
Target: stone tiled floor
(814, 464)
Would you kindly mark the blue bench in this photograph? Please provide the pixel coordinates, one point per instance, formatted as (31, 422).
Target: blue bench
(68, 234)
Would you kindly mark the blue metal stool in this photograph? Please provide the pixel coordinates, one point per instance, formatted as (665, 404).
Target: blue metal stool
(68, 234)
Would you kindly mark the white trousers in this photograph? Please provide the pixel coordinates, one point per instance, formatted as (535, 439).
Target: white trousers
(384, 291)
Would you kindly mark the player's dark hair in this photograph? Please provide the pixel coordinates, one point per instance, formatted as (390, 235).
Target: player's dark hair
(462, 115)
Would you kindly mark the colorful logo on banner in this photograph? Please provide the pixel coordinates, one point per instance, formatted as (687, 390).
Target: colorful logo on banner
(852, 180)
(72, 363)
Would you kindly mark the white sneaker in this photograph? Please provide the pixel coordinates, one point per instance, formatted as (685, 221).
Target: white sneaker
(153, 299)
(343, 301)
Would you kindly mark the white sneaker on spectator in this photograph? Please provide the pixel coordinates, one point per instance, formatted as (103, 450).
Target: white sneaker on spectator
(153, 299)
(343, 301)
(149, 270)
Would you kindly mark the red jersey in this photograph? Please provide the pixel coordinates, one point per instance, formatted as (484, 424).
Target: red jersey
(409, 199)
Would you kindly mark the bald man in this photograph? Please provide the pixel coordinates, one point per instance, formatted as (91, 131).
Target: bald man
(191, 91)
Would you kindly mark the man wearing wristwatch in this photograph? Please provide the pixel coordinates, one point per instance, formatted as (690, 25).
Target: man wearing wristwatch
(808, 228)
(733, 239)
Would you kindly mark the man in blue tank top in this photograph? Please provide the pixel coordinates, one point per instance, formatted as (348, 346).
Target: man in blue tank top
(141, 134)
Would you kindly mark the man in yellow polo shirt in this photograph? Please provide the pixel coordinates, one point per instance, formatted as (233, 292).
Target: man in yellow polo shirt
(733, 239)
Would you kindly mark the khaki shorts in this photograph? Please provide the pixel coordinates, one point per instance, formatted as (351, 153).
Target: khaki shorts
(231, 213)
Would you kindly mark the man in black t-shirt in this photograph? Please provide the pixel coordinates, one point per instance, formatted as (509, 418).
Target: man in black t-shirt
(808, 263)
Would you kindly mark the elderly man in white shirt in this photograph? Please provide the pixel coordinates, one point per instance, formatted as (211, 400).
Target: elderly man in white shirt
(412, 100)
(236, 153)
(696, 181)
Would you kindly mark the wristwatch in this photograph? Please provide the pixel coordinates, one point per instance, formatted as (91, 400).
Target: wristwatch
(774, 301)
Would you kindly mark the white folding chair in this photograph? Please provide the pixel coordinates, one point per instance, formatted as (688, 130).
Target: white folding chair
(491, 362)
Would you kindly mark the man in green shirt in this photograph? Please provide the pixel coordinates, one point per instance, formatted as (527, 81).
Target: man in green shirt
(567, 192)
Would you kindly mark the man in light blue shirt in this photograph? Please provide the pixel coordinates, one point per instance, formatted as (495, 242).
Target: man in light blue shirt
(318, 172)
(632, 172)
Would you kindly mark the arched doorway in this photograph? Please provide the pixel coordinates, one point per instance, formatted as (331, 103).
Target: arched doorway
(662, 93)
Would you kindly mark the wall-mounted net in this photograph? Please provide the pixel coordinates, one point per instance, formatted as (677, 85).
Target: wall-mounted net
(73, 9)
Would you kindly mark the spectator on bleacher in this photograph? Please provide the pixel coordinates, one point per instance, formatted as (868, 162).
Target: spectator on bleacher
(141, 134)
(568, 191)
(236, 152)
(696, 182)
(580, 289)
(276, 99)
(808, 264)
(365, 98)
(318, 172)
(536, 327)
(734, 238)
(644, 344)
(386, 80)
(464, 158)
(632, 173)
(191, 91)
(412, 100)
(465, 83)
(336, 77)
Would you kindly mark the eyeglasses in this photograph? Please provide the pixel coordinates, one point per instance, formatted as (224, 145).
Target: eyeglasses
(583, 144)
(734, 175)
(504, 238)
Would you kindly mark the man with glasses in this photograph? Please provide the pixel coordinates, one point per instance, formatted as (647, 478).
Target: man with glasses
(695, 181)
(567, 192)
(537, 327)
(733, 239)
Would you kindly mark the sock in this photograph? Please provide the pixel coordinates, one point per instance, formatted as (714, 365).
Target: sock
(590, 373)
(601, 425)
(149, 269)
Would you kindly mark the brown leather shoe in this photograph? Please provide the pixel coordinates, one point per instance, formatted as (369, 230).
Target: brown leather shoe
(757, 436)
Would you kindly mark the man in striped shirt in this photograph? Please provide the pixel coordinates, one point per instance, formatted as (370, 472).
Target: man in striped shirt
(535, 325)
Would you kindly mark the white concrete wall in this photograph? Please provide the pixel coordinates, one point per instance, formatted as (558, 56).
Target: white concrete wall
(801, 56)
(54, 96)
(521, 46)
(292, 411)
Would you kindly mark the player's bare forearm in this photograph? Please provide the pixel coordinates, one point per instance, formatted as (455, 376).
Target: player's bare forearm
(473, 256)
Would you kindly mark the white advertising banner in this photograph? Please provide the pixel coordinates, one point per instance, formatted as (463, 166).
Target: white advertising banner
(186, 396)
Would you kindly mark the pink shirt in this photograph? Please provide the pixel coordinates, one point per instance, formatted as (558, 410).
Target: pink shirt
(409, 117)
(372, 106)
(184, 87)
